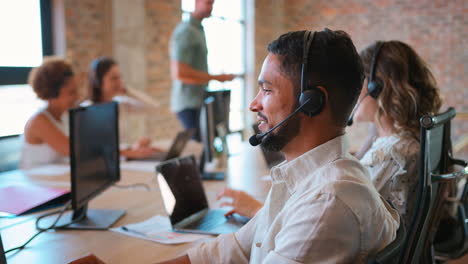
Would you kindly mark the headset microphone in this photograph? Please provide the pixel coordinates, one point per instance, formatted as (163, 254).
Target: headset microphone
(350, 119)
(256, 139)
(374, 86)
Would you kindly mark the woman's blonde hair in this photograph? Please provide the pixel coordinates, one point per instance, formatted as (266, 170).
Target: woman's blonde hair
(409, 89)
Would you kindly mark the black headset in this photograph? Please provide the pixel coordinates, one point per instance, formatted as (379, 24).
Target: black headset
(312, 98)
(374, 86)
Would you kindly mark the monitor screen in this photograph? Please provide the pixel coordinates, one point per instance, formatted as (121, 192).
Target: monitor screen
(94, 151)
(181, 188)
(221, 106)
(207, 128)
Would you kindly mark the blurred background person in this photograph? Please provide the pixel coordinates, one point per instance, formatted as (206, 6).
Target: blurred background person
(106, 85)
(45, 138)
(189, 67)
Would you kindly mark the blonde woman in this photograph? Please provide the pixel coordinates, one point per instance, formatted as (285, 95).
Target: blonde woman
(408, 91)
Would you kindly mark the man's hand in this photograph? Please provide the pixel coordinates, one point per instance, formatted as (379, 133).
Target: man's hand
(223, 77)
(242, 203)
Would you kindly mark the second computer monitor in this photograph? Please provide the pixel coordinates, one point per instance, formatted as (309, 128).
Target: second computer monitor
(207, 128)
(94, 159)
(207, 132)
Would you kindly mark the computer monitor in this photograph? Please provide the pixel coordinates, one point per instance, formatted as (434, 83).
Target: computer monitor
(207, 132)
(94, 159)
(207, 128)
(221, 107)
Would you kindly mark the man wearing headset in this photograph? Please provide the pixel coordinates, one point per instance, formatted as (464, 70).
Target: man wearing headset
(322, 207)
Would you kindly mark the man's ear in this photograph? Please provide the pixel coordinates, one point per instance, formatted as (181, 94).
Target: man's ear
(325, 92)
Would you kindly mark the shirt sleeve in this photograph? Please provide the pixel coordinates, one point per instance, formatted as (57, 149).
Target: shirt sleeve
(183, 46)
(320, 236)
(230, 248)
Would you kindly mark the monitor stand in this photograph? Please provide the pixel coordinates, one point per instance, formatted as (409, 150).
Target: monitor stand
(92, 219)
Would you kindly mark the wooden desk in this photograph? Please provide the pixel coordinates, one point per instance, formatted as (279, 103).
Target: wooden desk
(245, 171)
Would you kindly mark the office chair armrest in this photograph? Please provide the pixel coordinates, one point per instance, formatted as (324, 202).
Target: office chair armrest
(459, 162)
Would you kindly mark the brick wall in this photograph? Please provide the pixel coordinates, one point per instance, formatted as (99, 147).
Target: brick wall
(137, 35)
(88, 33)
(162, 16)
(436, 29)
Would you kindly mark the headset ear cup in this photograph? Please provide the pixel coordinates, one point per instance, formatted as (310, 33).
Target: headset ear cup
(374, 88)
(316, 103)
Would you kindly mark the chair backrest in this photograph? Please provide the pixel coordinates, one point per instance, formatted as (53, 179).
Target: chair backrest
(451, 241)
(435, 160)
(10, 151)
(393, 252)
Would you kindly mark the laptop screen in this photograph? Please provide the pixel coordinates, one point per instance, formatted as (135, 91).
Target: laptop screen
(179, 143)
(181, 188)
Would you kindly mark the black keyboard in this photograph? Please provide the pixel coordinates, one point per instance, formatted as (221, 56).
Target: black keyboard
(211, 220)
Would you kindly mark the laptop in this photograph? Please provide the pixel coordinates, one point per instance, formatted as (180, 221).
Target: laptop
(175, 150)
(185, 201)
(271, 158)
(2, 252)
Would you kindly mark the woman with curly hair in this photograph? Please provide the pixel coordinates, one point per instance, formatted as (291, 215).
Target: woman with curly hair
(45, 138)
(402, 90)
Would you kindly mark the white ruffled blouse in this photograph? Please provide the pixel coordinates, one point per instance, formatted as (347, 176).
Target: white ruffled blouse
(392, 165)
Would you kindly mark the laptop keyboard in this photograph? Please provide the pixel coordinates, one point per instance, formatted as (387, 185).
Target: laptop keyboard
(211, 220)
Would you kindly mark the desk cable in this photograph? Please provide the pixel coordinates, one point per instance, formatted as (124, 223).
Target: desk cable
(41, 230)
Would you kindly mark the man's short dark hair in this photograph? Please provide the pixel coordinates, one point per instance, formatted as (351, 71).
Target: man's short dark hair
(333, 63)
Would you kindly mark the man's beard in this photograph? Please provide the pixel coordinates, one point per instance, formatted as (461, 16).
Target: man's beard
(275, 142)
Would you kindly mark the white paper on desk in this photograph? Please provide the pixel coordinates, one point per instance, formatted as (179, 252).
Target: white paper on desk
(158, 229)
(135, 165)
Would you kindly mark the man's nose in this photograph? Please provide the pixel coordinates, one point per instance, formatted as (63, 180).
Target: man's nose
(255, 105)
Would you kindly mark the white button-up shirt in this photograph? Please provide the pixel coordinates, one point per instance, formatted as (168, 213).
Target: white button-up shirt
(322, 208)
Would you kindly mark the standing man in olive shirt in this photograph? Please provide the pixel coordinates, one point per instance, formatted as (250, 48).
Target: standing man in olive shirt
(189, 66)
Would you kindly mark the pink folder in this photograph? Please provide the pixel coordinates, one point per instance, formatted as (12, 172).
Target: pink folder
(16, 199)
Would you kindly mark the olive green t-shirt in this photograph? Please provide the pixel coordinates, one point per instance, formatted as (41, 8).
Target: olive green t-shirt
(188, 45)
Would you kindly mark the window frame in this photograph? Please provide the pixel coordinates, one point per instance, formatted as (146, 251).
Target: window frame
(19, 75)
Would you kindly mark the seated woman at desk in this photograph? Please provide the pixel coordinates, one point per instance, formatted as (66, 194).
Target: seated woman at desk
(45, 138)
(406, 90)
(105, 85)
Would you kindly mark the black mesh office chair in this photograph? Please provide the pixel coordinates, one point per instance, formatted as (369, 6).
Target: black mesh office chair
(451, 241)
(435, 182)
(392, 253)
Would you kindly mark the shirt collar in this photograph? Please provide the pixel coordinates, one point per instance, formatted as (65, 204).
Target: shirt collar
(195, 22)
(297, 170)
